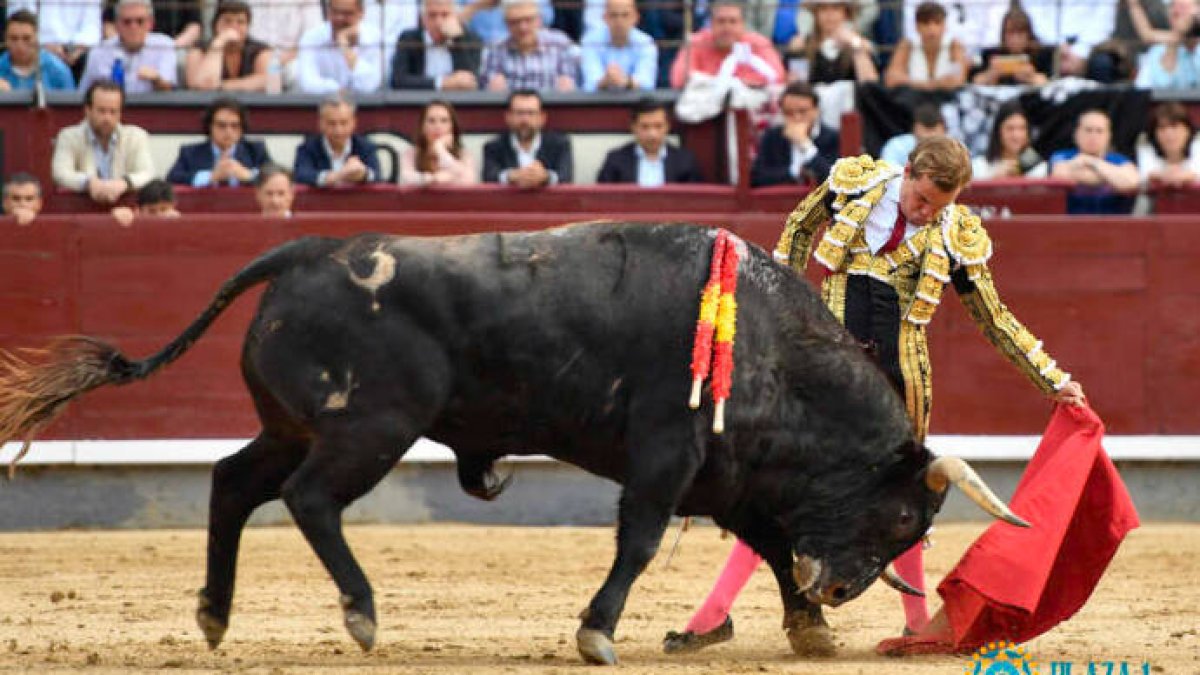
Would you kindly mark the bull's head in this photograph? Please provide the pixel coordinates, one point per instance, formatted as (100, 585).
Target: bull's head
(832, 566)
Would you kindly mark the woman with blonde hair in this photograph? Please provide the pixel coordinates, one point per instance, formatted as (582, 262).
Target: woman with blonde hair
(437, 156)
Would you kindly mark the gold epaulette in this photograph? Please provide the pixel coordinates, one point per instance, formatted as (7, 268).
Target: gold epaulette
(856, 175)
(967, 242)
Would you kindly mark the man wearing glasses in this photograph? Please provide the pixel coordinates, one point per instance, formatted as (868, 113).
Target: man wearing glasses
(532, 57)
(147, 59)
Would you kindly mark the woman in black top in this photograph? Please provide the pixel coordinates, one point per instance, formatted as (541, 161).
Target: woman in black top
(232, 60)
(1019, 59)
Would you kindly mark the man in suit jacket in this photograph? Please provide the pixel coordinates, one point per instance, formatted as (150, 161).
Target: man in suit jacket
(526, 155)
(440, 54)
(226, 158)
(336, 156)
(802, 149)
(650, 161)
(101, 156)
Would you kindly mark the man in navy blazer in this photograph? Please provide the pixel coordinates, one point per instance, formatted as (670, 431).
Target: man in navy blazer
(226, 158)
(802, 150)
(438, 54)
(526, 155)
(650, 161)
(336, 156)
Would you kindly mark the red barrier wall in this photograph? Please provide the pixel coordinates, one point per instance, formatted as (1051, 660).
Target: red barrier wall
(1116, 300)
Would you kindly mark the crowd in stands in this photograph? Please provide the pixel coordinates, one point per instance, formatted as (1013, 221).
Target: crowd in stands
(340, 48)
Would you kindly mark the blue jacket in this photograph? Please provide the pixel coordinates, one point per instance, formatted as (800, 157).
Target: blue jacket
(197, 158)
(311, 158)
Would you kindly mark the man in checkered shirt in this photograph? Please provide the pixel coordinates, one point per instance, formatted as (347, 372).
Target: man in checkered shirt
(532, 57)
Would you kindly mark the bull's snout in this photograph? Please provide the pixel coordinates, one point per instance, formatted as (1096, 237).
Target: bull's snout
(833, 595)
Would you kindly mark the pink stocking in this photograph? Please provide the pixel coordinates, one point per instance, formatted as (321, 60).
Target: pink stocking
(741, 564)
(911, 567)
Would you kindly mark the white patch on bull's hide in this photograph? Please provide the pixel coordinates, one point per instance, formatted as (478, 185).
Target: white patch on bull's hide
(340, 400)
(384, 272)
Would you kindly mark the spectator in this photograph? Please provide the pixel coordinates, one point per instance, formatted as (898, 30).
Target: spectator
(532, 57)
(485, 18)
(391, 18)
(792, 25)
(22, 59)
(437, 156)
(938, 61)
(802, 149)
(275, 192)
(147, 58)
(231, 60)
(1174, 160)
(1009, 153)
(101, 156)
(1076, 28)
(617, 56)
(526, 155)
(22, 197)
(1125, 31)
(156, 198)
(1174, 60)
(927, 121)
(226, 158)
(1019, 59)
(341, 53)
(439, 54)
(1100, 175)
(729, 49)
(835, 50)
(972, 23)
(66, 28)
(280, 24)
(337, 155)
(650, 161)
(662, 21)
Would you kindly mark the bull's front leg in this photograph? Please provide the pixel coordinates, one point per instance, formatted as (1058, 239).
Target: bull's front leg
(803, 621)
(652, 490)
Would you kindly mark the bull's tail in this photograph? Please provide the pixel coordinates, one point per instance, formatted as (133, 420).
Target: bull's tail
(37, 384)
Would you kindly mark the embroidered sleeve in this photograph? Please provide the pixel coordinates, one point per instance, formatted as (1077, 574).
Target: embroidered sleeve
(795, 244)
(978, 293)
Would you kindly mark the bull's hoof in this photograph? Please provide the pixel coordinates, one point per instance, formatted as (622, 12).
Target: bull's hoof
(595, 647)
(811, 640)
(491, 486)
(359, 625)
(212, 627)
(691, 641)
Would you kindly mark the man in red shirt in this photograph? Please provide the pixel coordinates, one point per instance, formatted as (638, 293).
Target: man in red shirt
(728, 49)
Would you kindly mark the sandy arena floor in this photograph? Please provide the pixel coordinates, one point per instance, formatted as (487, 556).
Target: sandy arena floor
(465, 599)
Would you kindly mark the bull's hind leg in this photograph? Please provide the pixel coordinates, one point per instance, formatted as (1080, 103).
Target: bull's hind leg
(240, 483)
(660, 468)
(477, 477)
(346, 462)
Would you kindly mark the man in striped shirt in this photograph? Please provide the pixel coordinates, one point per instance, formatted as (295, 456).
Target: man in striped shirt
(532, 57)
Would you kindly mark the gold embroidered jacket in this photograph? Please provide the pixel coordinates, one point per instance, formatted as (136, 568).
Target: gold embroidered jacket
(919, 269)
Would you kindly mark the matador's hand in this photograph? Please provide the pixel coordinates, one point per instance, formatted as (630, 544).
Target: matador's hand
(1072, 393)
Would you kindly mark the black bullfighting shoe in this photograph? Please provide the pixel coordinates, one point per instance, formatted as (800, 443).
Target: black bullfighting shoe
(690, 641)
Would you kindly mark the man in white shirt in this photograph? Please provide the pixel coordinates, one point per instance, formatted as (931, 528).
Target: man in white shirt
(147, 58)
(342, 53)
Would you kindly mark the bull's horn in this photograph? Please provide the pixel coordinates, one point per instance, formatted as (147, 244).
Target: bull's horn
(805, 571)
(897, 582)
(946, 470)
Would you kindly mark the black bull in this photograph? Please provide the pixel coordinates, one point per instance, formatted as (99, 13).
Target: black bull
(573, 342)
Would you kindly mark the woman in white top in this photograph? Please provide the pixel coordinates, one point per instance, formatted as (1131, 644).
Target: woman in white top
(938, 62)
(1173, 163)
(437, 156)
(1009, 153)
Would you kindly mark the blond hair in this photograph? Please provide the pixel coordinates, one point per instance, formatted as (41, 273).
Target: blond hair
(943, 160)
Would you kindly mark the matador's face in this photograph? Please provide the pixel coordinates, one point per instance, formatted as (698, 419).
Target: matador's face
(921, 198)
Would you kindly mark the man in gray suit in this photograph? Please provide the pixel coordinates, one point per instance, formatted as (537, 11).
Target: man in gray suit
(101, 156)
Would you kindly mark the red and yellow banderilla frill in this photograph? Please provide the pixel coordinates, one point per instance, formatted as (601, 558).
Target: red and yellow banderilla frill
(718, 315)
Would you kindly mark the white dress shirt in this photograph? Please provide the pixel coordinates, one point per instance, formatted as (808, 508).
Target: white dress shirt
(652, 171)
(321, 67)
(877, 228)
